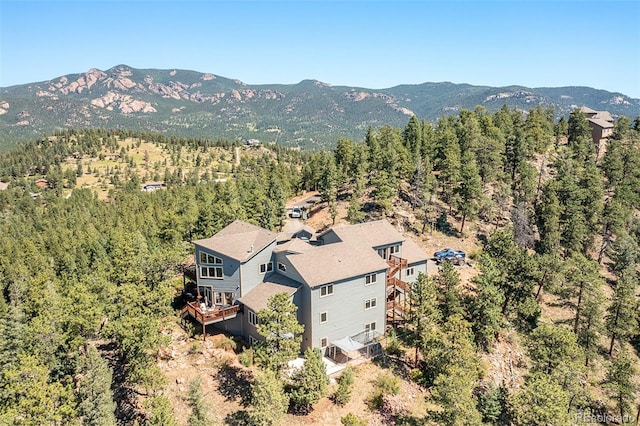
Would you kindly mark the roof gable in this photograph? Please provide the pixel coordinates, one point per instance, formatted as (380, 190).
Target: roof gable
(240, 241)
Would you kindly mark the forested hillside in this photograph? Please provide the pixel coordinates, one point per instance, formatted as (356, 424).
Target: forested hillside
(90, 277)
(310, 114)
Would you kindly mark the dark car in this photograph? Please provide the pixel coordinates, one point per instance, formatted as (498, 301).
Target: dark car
(457, 257)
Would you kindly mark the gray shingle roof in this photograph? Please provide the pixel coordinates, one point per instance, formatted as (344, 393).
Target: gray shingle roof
(374, 234)
(239, 241)
(329, 263)
(601, 123)
(257, 298)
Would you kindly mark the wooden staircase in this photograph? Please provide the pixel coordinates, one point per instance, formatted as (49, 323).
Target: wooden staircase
(396, 291)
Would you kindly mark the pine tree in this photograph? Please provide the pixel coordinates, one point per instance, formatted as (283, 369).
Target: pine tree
(199, 415)
(621, 384)
(424, 312)
(282, 332)
(161, 412)
(469, 190)
(310, 382)
(96, 406)
(268, 400)
(622, 316)
(541, 401)
(345, 382)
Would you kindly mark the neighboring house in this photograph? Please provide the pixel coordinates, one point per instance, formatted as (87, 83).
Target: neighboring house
(153, 186)
(111, 156)
(601, 123)
(349, 283)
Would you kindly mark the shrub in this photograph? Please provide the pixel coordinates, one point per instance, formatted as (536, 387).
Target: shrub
(342, 395)
(351, 420)
(196, 348)
(246, 357)
(385, 384)
(226, 343)
(393, 344)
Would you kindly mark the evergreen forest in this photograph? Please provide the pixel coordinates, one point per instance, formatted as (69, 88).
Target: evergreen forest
(91, 270)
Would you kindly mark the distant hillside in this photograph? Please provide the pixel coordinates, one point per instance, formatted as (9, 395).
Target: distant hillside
(310, 114)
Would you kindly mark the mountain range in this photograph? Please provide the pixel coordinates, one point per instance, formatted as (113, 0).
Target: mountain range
(310, 114)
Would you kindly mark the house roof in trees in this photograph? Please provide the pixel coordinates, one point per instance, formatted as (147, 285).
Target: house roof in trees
(601, 123)
(329, 263)
(603, 115)
(239, 241)
(374, 234)
(587, 110)
(257, 298)
(412, 252)
(3, 186)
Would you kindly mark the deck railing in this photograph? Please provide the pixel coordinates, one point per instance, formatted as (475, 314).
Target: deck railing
(209, 316)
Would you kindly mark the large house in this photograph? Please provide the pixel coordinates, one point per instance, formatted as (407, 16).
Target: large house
(348, 282)
(601, 123)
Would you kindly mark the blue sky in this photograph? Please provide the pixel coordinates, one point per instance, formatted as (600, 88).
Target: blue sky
(374, 44)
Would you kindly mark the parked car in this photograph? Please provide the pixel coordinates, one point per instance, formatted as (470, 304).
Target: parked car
(296, 213)
(457, 257)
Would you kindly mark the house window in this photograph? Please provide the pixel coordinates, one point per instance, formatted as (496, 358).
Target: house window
(370, 303)
(370, 326)
(252, 317)
(217, 298)
(252, 340)
(266, 267)
(326, 290)
(370, 279)
(208, 259)
(228, 298)
(209, 271)
(410, 271)
(394, 249)
(282, 267)
(324, 342)
(324, 317)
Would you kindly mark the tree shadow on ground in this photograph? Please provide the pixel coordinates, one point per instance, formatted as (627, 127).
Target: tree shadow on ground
(234, 383)
(443, 225)
(239, 418)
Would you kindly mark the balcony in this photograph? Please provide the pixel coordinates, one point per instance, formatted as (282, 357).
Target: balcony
(207, 315)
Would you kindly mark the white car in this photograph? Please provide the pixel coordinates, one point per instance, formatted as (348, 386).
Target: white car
(296, 213)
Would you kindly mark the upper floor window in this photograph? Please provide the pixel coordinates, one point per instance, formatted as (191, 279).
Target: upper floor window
(324, 317)
(211, 272)
(282, 267)
(394, 249)
(370, 279)
(252, 317)
(370, 303)
(266, 267)
(326, 290)
(410, 271)
(370, 326)
(207, 259)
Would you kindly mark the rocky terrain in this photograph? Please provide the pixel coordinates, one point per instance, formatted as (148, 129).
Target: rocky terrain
(310, 114)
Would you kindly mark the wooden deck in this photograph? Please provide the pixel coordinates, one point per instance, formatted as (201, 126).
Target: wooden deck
(210, 315)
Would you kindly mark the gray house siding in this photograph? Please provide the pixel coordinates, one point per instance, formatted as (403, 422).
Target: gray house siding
(290, 270)
(250, 270)
(417, 268)
(345, 308)
(230, 269)
(233, 326)
(305, 310)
